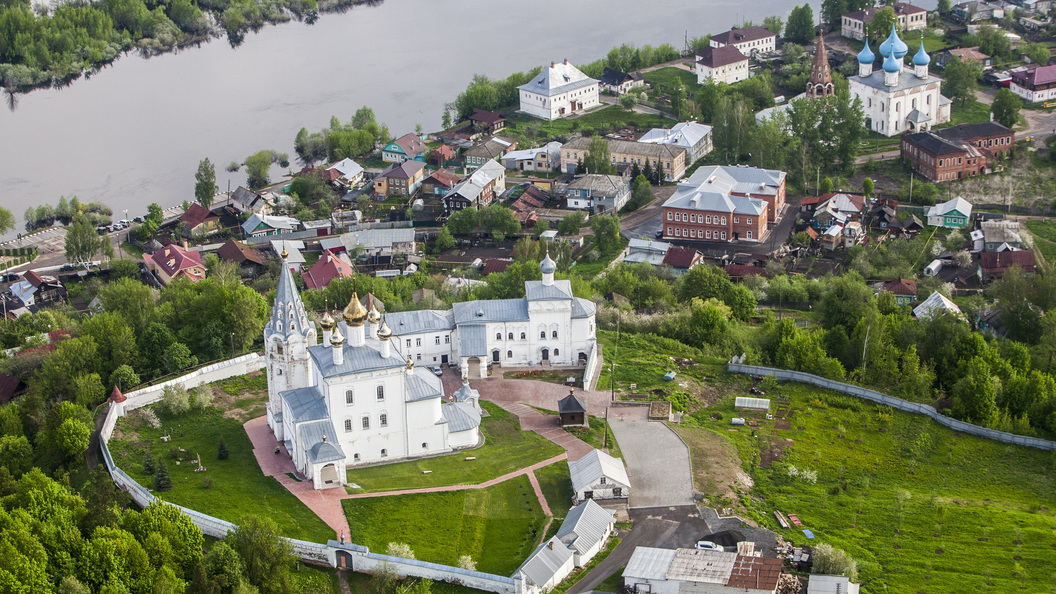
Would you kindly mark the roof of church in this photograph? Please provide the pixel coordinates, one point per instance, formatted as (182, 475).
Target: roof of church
(571, 404)
(459, 416)
(473, 340)
(819, 71)
(314, 433)
(285, 294)
(491, 310)
(583, 308)
(305, 404)
(465, 392)
(537, 291)
(419, 321)
(356, 359)
(423, 385)
(906, 80)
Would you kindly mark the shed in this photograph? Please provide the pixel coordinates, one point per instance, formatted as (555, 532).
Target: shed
(585, 530)
(599, 476)
(746, 403)
(831, 584)
(933, 268)
(573, 410)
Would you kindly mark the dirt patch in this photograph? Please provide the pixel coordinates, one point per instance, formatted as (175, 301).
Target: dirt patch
(717, 471)
(773, 452)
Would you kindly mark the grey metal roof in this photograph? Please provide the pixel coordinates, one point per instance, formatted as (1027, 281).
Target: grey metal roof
(537, 291)
(543, 564)
(907, 79)
(473, 340)
(649, 563)
(310, 436)
(377, 238)
(420, 321)
(691, 565)
(460, 416)
(585, 525)
(685, 134)
(595, 465)
(737, 178)
(465, 392)
(305, 404)
(492, 310)
(423, 385)
(646, 245)
(325, 452)
(599, 184)
(693, 197)
(356, 359)
(583, 308)
(571, 404)
(288, 304)
(559, 78)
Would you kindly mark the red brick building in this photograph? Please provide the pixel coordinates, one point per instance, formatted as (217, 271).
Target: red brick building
(724, 204)
(961, 151)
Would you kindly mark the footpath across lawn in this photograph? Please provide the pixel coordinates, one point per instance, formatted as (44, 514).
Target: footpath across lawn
(506, 449)
(497, 527)
(229, 489)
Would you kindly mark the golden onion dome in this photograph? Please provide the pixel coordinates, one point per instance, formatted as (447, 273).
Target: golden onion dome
(337, 339)
(354, 312)
(384, 333)
(327, 322)
(373, 316)
(410, 363)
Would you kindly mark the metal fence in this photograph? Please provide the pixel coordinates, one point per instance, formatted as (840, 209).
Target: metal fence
(896, 403)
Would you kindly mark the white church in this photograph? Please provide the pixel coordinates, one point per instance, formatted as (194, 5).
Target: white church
(359, 397)
(895, 99)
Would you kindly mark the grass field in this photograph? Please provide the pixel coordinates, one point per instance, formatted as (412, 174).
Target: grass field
(238, 488)
(506, 449)
(497, 526)
(668, 76)
(556, 484)
(360, 582)
(589, 270)
(611, 117)
(643, 359)
(973, 112)
(1044, 233)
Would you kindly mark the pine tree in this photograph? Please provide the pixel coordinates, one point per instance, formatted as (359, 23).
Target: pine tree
(221, 452)
(148, 464)
(162, 482)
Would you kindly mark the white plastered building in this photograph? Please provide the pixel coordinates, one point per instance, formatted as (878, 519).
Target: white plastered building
(558, 91)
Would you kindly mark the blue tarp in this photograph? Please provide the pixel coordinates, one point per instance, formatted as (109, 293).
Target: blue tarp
(808, 533)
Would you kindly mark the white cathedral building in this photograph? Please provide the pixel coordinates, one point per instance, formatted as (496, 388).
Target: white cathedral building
(895, 99)
(359, 398)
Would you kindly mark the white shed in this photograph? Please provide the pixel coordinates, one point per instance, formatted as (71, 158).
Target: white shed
(585, 530)
(599, 476)
(546, 567)
(933, 268)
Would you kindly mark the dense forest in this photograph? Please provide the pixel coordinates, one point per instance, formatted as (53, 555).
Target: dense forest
(44, 46)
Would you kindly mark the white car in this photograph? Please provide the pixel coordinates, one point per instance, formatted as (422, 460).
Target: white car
(437, 371)
(707, 545)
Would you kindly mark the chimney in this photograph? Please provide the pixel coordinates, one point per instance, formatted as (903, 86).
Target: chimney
(184, 244)
(566, 61)
(550, 544)
(552, 64)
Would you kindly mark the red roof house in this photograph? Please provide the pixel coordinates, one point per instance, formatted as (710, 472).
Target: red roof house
(441, 154)
(174, 261)
(492, 265)
(995, 264)
(326, 270)
(198, 221)
(682, 259)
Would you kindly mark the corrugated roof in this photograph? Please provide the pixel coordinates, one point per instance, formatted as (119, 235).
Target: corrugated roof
(755, 573)
(742, 34)
(957, 204)
(906, 80)
(599, 185)
(420, 321)
(492, 310)
(628, 147)
(423, 385)
(649, 563)
(681, 257)
(460, 416)
(472, 340)
(305, 404)
(901, 286)
(356, 359)
(583, 308)
(717, 57)
(711, 567)
(310, 436)
(935, 305)
(585, 525)
(684, 134)
(545, 561)
(537, 291)
(646, 245)
(560, 77)
(595, 465)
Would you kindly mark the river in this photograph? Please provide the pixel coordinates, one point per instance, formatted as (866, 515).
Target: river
(134, 132)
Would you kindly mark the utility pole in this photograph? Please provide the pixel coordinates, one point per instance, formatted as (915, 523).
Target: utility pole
(817, 182)
(911, 187)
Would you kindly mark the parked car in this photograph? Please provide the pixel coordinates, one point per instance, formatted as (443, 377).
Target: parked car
(10, 277)
(137, 220)
(707, 545)
(437, 371)
(102, 230)
(660, 234)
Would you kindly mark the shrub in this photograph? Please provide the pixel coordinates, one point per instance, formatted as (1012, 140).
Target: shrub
(162, 482)
(174, 401)
(148, 464)
(221, 452)
(400, 549)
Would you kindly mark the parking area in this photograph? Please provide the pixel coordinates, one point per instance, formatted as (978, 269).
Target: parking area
(657, 460)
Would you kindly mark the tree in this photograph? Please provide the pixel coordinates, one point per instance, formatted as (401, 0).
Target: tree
(606, 232)
(829, 560)
(445, 121)
(571, 224)
(800, 27)
(205, 183)
(1006, 107)
(628, 101)
(880, 28)
(960, 79)
(162, 482)
(257, 167)
(641, 193)
(832, 11)
(774, 24)
(677, 94)
(498, 219)
(7, 220)
(221, 451)
(463, 222)
(1037, 52)
(826, 185)
(867, 187)
(82, 242)
(444, 239)
(598, 158)
(223, 565)
(265, 554)
(974, 396)
(944, 6)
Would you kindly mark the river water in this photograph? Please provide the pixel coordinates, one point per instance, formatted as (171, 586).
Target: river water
(134, 133)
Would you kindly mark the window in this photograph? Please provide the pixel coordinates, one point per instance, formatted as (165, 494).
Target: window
(509, 354)
(381, 393)
(418, 342)
(408, 343)
(708, 219)
(348, 425)
(355, 457)
(749, 235)
(678, 232)
(669, 216)
(692, 232)
(349, 398)
(509, 336)
(447, 339)
(678, 216)
(554, 334)
(736, 220)
(708, 234)
(498, 336)
(437, 340)
(723, 220)
(366, 422)
(723, 235)
(669, 230)
(384, 453)
(524, 336)
(603, 480)
(425, 446)
(557, 352)
(419, 356)
(692, 218)
(383, 419)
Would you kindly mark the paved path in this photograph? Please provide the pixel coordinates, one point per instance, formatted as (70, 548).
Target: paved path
(549, 427)
(502, 479)
(657, 460)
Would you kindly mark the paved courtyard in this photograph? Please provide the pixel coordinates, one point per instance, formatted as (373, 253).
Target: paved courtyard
(657, 459)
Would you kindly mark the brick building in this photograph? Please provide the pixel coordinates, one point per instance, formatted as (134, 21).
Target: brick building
(625, 152)
(953, 153)
(722, 203)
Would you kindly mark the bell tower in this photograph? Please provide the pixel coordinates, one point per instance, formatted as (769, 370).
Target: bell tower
(287, 336)
(820, 82)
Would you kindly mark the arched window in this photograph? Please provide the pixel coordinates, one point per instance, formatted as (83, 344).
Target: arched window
(510, 336)
(384, 453)
(383, 420)
(509, 354)
(554, 334)
(355, 457)
(524, 336)
(349, 397)
(293, 327)
(278, 345)
(557, 352)
(348, 424)
(498, 336)
(542, 334)
(281, 316)
(366, 422)
(425, 446)
(381, 393)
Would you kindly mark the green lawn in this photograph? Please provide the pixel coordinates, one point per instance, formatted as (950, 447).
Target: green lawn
(971, 511)
(595, 435)
(973, 112)
(609, 118)
(643, 359)
(592, 269)
(1044, 232)
(360, 582)
(506, 449)
(496, 526)
(556, 484)
(238, 487)
(668, 76)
